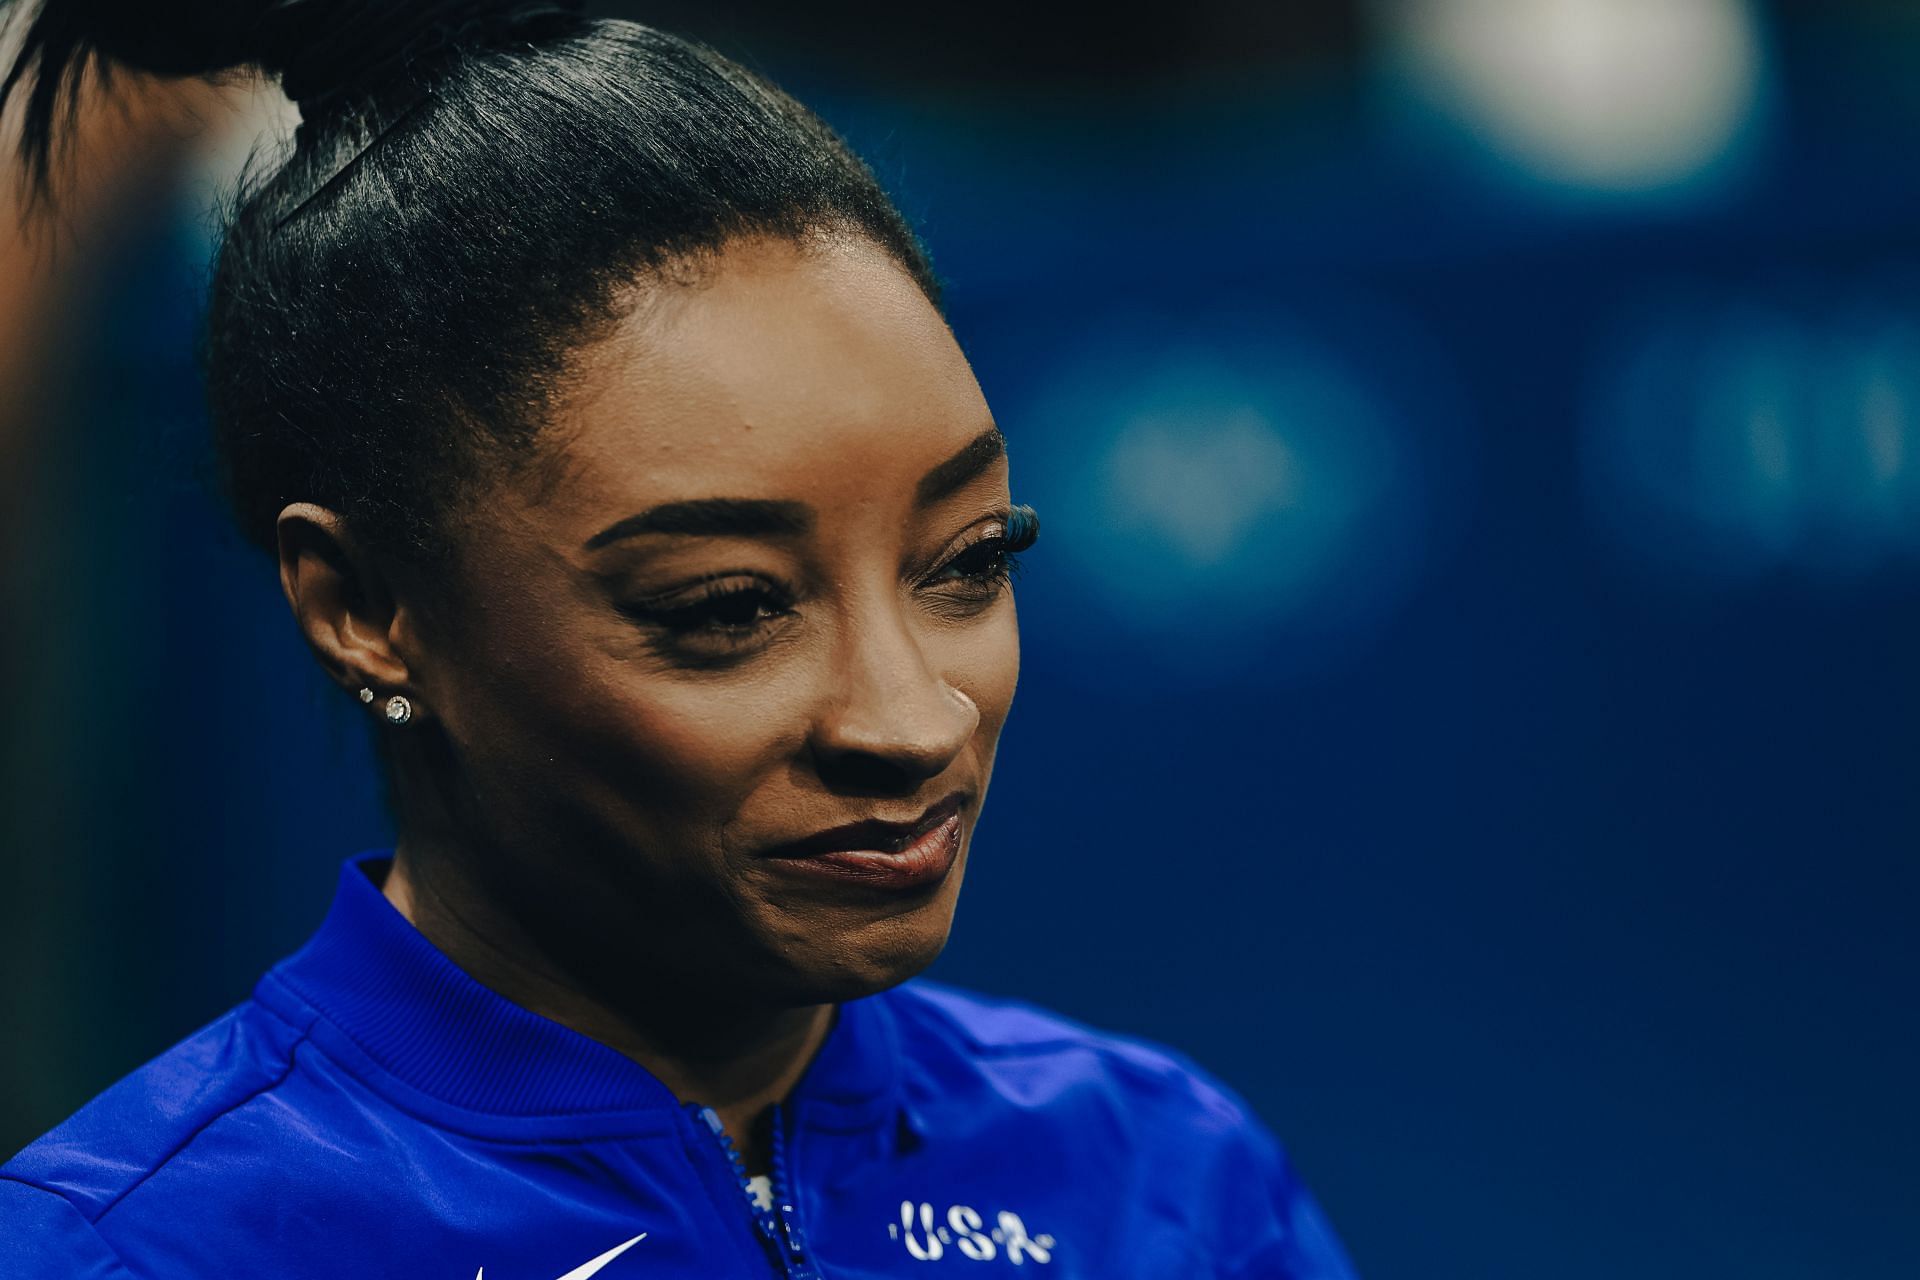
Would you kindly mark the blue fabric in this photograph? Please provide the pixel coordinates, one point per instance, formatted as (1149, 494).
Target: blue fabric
(374, 1111)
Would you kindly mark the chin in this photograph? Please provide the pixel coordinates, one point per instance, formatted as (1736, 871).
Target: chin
(846, 965)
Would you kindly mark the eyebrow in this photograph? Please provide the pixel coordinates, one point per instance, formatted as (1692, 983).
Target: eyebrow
(782, 517)
(712, 518)
(951, 476)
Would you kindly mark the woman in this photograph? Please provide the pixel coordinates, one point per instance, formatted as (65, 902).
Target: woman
(599, 411)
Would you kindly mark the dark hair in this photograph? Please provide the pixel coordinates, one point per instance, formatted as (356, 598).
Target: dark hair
(472, 193)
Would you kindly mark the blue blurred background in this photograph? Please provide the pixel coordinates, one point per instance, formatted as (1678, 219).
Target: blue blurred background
(1471, 696)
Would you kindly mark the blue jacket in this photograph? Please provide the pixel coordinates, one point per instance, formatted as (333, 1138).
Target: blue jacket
(373, 1111)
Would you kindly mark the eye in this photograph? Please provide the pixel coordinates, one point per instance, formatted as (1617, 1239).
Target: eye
(986, 563)
(985, 567)
(714, 615)
(724, 611)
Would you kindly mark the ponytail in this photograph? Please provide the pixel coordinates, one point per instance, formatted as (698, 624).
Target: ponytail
(326, 52)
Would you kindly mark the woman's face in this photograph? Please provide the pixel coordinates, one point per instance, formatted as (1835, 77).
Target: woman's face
(750, 592)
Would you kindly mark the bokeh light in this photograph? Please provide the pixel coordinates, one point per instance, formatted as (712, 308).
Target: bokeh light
(1617, 96)
(1234, 485)
(1738, 435)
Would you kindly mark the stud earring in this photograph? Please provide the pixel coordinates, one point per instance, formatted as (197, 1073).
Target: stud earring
(366, 696)
(399, 710)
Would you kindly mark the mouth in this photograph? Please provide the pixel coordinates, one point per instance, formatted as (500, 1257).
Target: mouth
(880, 854)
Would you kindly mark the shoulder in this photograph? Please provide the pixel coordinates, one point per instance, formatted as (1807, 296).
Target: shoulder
(957, 1029)
(117, 1142)
(45, 1237)
(1008, 1072)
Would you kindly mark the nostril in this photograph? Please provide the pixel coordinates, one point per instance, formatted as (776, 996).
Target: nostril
(867, 771)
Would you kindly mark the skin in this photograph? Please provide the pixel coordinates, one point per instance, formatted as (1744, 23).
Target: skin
(588, 791)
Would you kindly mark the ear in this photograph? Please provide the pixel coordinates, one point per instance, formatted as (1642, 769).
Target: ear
(344, 605)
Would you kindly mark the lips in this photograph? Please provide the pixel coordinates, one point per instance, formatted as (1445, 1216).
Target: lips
(871, 835)
(889, 858)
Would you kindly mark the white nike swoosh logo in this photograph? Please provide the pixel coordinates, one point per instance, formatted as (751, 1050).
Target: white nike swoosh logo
(587, 1269)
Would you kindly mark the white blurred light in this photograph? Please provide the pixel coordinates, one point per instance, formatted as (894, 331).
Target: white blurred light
(1610, 95)
(1202, 485)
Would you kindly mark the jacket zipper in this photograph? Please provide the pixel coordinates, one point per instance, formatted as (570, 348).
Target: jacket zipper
(779, 1227)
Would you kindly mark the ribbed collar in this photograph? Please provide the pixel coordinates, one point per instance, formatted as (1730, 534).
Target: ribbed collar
(421, 1018)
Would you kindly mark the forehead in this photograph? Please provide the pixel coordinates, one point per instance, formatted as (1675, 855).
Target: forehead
(817, 372)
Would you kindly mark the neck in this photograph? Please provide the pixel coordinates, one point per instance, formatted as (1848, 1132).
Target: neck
(738, 1057)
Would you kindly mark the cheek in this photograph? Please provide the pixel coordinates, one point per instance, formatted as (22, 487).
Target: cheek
(584, 742)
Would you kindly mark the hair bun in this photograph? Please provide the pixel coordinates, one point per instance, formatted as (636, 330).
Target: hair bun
(325, 50)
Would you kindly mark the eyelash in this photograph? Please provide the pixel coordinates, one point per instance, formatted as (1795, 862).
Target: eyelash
(697, 620)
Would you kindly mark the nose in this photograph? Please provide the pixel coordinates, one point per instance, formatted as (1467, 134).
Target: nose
(891, 720)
